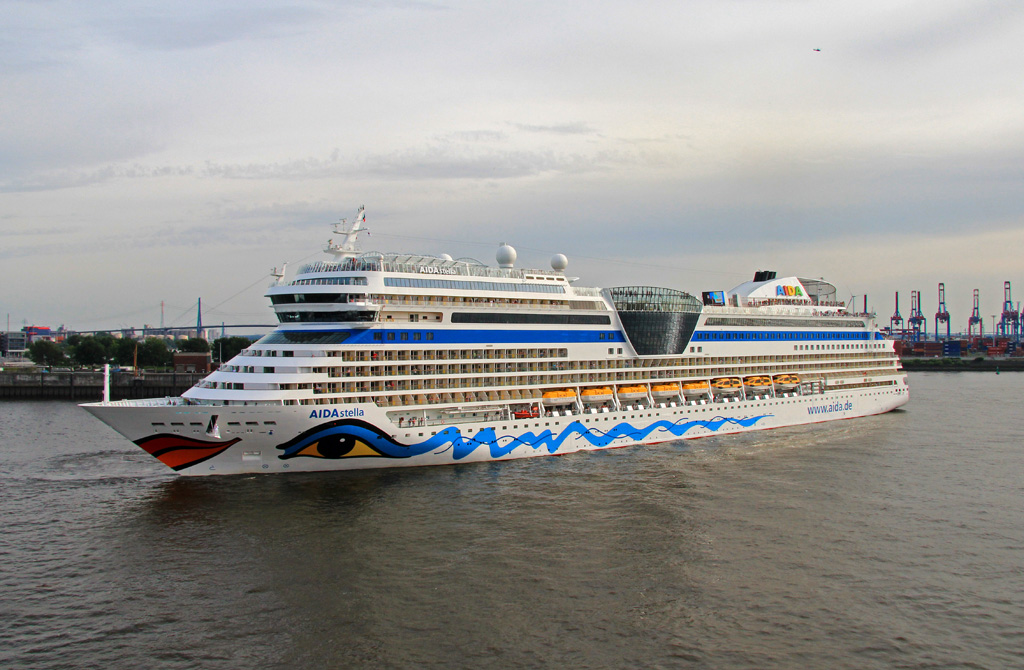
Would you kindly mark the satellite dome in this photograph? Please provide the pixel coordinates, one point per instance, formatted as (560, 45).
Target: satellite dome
(559, 262)
(506, 256)
(446, 257)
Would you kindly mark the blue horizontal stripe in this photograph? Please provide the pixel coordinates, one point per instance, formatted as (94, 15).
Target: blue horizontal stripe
(475, 336)
(784, 336)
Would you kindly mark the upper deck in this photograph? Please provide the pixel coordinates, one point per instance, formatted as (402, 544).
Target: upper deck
(394, 263)
(386, 287)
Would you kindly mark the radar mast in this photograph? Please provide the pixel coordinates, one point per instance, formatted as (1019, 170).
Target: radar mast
(350, 233)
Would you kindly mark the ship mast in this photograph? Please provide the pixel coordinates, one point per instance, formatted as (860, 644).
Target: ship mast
(350, 233)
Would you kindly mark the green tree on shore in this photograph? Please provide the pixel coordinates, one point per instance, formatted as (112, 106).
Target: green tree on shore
(226, 348)
(124, 351)
(194, 345)
(47, 352)
(88, 351)
(153, 353)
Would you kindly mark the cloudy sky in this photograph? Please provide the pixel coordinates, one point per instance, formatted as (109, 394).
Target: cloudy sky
(154, 151)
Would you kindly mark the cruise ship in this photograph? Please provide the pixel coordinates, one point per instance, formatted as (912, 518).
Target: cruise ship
(392, 360)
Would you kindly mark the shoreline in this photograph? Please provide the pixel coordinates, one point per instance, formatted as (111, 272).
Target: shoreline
(965, 364)
(87, 386)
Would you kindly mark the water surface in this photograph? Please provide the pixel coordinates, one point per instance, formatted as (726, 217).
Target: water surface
(890, 541)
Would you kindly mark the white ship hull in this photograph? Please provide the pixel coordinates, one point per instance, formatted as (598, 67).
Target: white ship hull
(387, 360)
(302, 439)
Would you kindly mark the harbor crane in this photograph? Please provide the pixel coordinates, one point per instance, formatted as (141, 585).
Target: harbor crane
(1009, 321)
(918, 324)
(896, 319)
(975, 319)
(942, 314)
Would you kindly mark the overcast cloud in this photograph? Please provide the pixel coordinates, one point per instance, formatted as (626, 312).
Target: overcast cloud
(154, 151)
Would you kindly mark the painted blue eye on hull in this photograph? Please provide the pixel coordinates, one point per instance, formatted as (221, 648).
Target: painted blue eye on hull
(347, 431)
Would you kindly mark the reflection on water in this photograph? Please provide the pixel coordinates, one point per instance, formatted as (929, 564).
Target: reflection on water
(888, 541)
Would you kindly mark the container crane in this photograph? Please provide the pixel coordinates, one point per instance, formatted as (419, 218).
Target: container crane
(975, 320)
(1009, 321)
(896, 319)
(918, 324)
(942, 315)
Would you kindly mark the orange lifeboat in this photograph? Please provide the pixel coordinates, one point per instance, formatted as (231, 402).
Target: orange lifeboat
(665, 390)
(757, 382)
(692, 389)
(559, 397)
(632, 392)
(727, 385)
(787, 381)
(595, 395)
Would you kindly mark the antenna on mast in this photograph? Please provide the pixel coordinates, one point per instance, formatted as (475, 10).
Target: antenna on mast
(350, 232)
(278, 275)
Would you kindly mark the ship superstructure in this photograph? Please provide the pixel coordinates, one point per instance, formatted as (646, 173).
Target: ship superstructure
(386, 359)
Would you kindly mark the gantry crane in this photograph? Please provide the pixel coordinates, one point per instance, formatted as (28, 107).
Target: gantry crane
(896, 319)
(918, 324)
(1009, 321)
(975, 320)
(942, 314)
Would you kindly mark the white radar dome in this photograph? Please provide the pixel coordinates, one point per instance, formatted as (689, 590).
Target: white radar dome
(506, 256)
(559, 262)
(446, 257)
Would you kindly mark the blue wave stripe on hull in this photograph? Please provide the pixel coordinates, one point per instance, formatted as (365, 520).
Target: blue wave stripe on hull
(462, 446)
